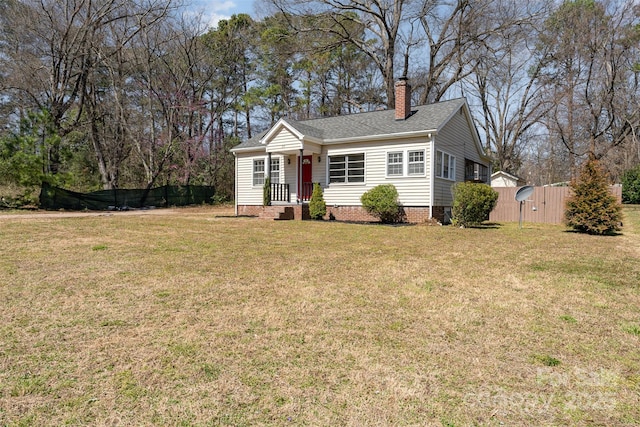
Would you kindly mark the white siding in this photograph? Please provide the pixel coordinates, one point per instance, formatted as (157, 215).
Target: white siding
(284, 141)
(290, 174)
(248, 194)
(456, 139)
(319, 170)
(413, 191)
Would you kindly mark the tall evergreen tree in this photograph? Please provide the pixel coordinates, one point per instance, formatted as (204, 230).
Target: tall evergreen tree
(592, 208)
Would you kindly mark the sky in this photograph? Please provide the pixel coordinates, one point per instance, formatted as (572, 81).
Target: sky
(215, 10)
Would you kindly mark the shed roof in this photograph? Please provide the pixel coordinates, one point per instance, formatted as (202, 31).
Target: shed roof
(507, 175)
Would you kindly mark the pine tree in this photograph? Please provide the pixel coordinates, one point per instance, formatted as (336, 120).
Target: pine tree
(592, 208)
(631, 186)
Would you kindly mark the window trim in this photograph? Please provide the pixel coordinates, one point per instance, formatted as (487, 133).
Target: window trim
(401, 163)
(272, 172)
(475, 171)
(439, 166)
(256, 173)
(346, 168)
(405, 163)
(423, 162)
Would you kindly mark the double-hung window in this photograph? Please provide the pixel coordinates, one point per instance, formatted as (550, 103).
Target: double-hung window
(416, 162)
(346, 168)
(445, 165)
(275, 171)
(394, 164)
(258, 172)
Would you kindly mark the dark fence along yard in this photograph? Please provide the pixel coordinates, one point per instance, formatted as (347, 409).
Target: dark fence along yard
(54, 198)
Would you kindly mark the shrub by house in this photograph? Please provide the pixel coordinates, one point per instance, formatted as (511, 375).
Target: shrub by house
(317, 206)
(472, 203)
(382, 202)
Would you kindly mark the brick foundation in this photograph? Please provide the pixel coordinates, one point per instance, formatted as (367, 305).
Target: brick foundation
(414, 215)
(349, 213)
(249, 210)
(282, 212)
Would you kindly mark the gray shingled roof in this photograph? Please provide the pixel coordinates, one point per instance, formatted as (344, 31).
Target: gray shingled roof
(429, 117)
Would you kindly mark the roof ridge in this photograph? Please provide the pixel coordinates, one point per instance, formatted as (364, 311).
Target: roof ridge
(359, 113)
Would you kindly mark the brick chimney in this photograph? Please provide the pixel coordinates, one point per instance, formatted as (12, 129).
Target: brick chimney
(403, 99)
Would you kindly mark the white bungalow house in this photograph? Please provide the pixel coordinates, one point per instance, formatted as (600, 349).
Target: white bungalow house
(421, 150)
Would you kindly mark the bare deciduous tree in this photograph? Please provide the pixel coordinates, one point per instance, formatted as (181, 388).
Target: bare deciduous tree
(52, 50)
(506, 83)
(456, 31)
(382, 20)
(591, 76)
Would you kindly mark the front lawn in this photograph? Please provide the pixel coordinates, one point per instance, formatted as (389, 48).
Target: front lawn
(196, 318)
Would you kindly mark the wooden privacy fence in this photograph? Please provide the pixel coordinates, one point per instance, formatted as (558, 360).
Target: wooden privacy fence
(546, 204)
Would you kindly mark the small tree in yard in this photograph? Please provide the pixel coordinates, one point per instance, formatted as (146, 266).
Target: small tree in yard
(382, 202)
(317, 206)
(266, 192)
(592, 208)
(472, 203)
(631, 186)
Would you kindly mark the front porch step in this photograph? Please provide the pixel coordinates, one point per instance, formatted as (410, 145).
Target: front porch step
(286, 215)
(278, 213)
(282, 213)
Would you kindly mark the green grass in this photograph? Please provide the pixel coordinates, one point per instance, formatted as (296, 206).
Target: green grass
(546, 360)
(194, 318)
(568, 319)
(633, 329)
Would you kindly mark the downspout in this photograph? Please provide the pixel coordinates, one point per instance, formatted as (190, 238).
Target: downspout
(235, 190)
(432, 174)
(267, 178)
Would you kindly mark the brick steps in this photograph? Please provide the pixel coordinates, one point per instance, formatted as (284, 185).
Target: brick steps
(278, 213)
(284, 213)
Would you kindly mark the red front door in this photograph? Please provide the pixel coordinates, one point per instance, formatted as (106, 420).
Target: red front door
(305, 185)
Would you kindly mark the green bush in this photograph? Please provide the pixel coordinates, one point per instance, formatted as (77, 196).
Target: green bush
(382, 202)
(631, 186)
(266, 192)
(16, 197)
(472, 203)
(592, 208)
(317, 206)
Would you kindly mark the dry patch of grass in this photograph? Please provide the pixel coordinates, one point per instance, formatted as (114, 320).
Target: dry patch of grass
(196, 318)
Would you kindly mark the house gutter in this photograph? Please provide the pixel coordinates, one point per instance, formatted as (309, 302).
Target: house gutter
(366, 138)
(381, 137)
(246, 149)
